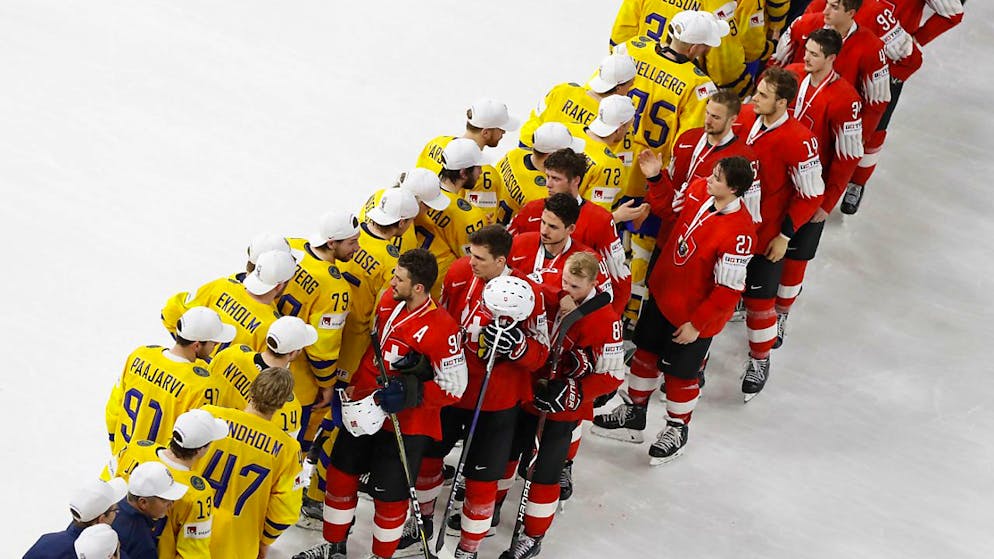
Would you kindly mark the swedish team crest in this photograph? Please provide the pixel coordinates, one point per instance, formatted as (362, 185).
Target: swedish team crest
(146, 443)
(245, 348)
(609, 153)
(540, 181)
(463, 205)
(392, 249)
(333, 272)
(198, 483)
(201, 372)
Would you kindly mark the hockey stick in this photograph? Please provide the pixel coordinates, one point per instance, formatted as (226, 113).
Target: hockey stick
(600, 300)
(464, 453)
(415, 505)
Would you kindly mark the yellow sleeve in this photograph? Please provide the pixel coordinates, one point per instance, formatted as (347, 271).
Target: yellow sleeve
(370, 204)
(604, 179)
(328, 316)
(113, 410)
(535, 119)
(194, 519)
(431, 155)
(182, 302)
(484, 194)
(776, 16)
(286, 495)
(626, 23)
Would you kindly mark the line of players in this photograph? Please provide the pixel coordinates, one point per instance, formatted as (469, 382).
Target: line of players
(304, 309)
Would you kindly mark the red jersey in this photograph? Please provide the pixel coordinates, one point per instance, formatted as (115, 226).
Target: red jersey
(701, 270)
(462, 297)
(599, 334)
(595, 228)
(861, 61)
(904, 54)
(831, 110)
(430, 331)
(530, 257)
(694, 158)
(912, 15)
(789, 172)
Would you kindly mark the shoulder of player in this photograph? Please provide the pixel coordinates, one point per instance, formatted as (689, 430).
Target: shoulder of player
(459, 271)
(441, 324)
(440, 141)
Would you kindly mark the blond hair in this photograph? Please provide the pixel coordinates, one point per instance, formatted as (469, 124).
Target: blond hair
(271, 389)
(584, 265)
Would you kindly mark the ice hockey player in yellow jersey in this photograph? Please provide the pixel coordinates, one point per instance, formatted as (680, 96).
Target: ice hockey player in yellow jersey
(606, 174)
(187, 532)
(423, 184)
(249, 304)
(320, 295)
(255, 472)
(486, 122)
(522, 170)
(159, 384)
(446, 233)
(237, 366)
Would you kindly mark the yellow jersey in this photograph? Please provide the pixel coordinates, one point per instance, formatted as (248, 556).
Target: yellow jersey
(484, 193)
(405, 241)
(236, 368)
(233, 303)
(445, 233)
(606, 174)
(521, 182)
(187, 533)
(256, 473)
(319, 295)
(670, 97)
(154, 389)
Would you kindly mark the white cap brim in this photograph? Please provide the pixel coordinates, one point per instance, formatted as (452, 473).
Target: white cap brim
(512, 123)
(120, 487)
(219, 429)
(256, 286)
(439, 202)
(297, 255)
(381, 217)
(174, 493)
(312, 335)
(723, 30)
(600, 85)
(227, 334)
(578, 145)
(601, 128)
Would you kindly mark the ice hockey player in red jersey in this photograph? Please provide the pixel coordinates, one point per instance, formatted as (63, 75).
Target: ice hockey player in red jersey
(424, 357)
(694, 286)
(595, 227)
(522, 348)
(695, 154)
(592, 364)
(792, 190)
(830, 107)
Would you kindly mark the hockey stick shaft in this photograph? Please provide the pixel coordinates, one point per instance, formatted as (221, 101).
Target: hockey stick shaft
(415, 505)
(599, 300)
(464, 453)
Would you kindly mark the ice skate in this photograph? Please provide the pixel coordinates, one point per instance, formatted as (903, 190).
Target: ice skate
(851, 199)
(525, 547)
(756, 374)
(323, 551)
(625, 423)
(410, 540)
(669, 444)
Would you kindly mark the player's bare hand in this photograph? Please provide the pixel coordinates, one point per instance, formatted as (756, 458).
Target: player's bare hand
(566, 305)
(820, 216)
(263, 551)
(324, 397)
(651, 163)
(686, 334)
(777, 248)
(629, 212)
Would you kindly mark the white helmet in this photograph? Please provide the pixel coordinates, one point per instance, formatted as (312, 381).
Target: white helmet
(509, 296)
(362, 417)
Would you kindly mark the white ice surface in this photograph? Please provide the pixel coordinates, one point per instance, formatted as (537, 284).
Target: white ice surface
(143, 143)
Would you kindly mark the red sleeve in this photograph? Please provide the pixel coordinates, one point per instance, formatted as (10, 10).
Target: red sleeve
(840, 165)
(659, 196)
(444, 357)
(935, 26)
(802, 206)
(524, 221)
(611, 254)
(720, 303)
(459, 271)
(537, 335)
(605, 343)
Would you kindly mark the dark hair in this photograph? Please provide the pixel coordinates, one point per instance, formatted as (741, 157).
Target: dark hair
(421, 266)
(738, 173)
(451, 175)
(729, 99)
(182, 452)
(828, 39)
(565, 207)
(495, 238)
(851, 5)
(568, 162)
(784, 83)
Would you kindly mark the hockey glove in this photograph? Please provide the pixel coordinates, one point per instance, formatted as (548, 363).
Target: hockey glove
(511, 345)
(603, 399)
(400, 393)
(559, 394)
(576, 363)
(416, 365)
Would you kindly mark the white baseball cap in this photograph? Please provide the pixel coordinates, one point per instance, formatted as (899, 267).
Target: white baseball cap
(699, 28)
(615, 70)
(289, 333)
(335, 226)
(272, 268)
(198, 428)
(461, 153)
(265, 242)
(200, 324)
(614, 111)
(425, 186)
(153, 479)
(490, 113)
(554, 136)
(96, 542)
(395, 204)
(96, 497)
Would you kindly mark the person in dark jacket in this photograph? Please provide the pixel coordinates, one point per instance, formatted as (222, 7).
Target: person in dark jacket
(141, 515)
(94, 503)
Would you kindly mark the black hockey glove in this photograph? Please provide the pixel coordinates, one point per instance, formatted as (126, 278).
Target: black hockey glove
(511, 345)
(603, 399)
(416, 365)
(559, 394)
(402, 392)
(576, 363)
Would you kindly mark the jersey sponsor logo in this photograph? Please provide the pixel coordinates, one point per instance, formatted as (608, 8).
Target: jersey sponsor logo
(705, 90)
(604, 194)
(457, 283)
(463, 205)
(515, 259)
(685, 146)
(479, 467)
(534, 219)
(725, 12)
(482, 199)
(852, 127)
(333, 321)
(881, 74)
(452, 364)
(757, 19)
(300, 481)
(197, 530)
